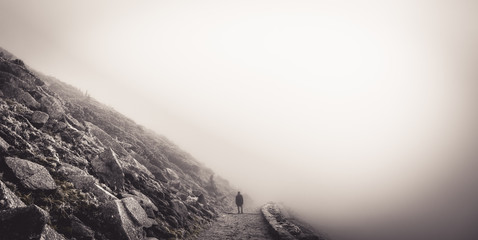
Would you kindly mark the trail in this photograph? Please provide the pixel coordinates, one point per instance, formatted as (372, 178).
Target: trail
(249, 225)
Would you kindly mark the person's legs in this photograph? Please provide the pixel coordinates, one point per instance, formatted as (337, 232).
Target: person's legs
(238, 209)
(241, 209)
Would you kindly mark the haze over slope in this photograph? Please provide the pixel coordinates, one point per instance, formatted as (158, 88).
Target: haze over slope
(324, 102)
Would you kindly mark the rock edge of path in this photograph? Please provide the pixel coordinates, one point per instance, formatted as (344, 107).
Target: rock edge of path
(285, 227)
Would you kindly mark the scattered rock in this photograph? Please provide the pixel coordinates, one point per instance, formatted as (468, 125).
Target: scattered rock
(32, 176)
(8, 198)
(108, 169)
(39, 117)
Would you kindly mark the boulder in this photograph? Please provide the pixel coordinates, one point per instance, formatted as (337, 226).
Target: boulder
(75, 123)
(39, 82)
(80, 179)
(8, 199)
(28, 100)
(59, 126)
(136, 212)
(145, 202)
(108, 169)
(201, 199)
(132, 167)
(172, 174)
(118, 218)
(39, 117)
(52, 106)
(102, 194)
(23, 223)
(175, 184)
(31, 175)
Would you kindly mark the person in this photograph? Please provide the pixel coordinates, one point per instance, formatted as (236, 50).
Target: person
(239, 202)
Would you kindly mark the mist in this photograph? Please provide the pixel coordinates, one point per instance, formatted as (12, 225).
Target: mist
(359, 115)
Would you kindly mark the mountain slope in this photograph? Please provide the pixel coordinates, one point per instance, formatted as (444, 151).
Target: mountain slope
(102, 175)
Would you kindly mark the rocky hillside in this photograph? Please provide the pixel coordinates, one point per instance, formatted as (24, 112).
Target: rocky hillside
(72, 168)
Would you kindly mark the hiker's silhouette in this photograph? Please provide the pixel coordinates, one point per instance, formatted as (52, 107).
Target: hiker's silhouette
(239, 202)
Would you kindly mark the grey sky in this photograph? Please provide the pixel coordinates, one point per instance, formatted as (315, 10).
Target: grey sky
(350, 98)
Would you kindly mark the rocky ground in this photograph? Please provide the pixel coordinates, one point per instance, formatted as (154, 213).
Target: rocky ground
(72, 168)
(249, 225)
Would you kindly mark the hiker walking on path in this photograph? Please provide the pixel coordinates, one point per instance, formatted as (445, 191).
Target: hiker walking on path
(239, 202)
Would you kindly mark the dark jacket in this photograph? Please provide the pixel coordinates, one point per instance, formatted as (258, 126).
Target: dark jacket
(239, 200)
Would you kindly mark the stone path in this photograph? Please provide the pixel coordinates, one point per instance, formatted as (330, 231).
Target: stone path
(250, 225)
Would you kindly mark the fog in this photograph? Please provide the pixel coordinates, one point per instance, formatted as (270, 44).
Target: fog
(361, 115)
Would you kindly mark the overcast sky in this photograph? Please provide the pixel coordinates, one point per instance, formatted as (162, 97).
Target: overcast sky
(347, 99)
